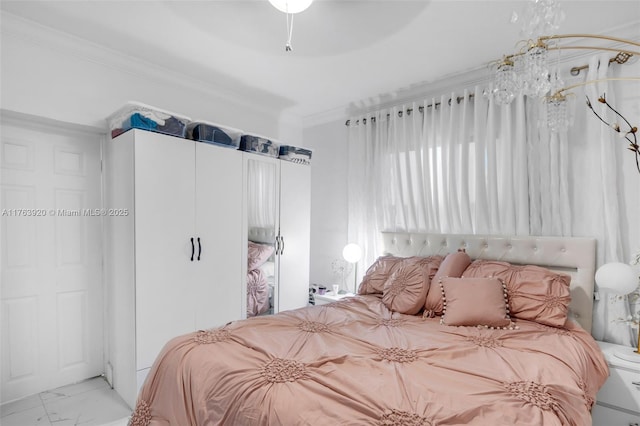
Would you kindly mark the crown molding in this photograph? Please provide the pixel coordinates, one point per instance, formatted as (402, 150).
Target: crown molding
(331, 115)
(38, 122)
(25, 30)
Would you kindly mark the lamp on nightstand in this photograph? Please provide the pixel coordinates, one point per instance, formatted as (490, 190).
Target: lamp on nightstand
(352, 254)
(619, 278)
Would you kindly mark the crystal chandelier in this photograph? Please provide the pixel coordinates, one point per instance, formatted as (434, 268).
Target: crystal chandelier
(540, 17)
(531, 70)
(528, 72)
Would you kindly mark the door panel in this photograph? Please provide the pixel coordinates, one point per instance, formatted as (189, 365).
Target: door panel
(262, 176)
(219, 227)
(295, 222)
(164, 225)
(52, 293)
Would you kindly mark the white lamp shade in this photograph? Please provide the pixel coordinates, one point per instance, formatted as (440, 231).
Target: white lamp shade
(352, 253)
(617, 277)
(291, 6)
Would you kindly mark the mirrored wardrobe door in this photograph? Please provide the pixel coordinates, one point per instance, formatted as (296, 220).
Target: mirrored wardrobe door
(262, 214)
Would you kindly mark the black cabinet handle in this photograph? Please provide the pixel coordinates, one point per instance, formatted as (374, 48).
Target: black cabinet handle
(199, 249)
(193, 249)
(282, 248)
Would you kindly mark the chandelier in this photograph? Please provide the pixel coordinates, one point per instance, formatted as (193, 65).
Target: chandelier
(529, 70)
(290, 7)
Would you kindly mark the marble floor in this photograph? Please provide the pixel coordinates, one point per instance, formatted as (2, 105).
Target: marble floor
(88, 403)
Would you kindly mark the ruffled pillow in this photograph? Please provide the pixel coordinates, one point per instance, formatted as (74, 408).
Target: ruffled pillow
(452, 266)
(475, 302)
(257, 254)
(380, 271)
(257, 293)
(377, 274)
(405, 290)
(535, 293)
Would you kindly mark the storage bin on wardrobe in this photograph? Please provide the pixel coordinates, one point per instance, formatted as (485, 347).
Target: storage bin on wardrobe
(259, 145)
(136, 115)
(204, 131)
(295, 154)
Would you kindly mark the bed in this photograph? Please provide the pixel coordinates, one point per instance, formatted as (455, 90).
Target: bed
(260, 271)
(361, 361)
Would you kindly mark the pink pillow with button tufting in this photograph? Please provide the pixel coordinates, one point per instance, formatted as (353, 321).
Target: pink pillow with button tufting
(257, 255)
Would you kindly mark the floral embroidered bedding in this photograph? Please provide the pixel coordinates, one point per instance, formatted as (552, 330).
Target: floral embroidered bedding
(356, 362)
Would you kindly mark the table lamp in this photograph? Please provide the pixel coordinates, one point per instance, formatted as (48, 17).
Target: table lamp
(352, 254)
(619, 278)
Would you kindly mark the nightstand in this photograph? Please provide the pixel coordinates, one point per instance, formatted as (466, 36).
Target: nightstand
(618, 401)
(329, 297)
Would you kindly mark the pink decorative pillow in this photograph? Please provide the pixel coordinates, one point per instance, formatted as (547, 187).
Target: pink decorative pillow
(452, 266)
(257, 293)
(474, 302)
(377, 275)
(405, 290)
(535, 293)
(430, 264)
(257, 254)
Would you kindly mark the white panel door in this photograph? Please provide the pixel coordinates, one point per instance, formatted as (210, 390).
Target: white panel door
(52, 293)
(219, 221)
(164, 226)
(295, 223)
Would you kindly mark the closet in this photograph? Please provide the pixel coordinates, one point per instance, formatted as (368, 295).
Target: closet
(174, 261)
(278, 205)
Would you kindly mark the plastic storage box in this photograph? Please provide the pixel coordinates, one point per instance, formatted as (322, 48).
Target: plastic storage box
(295, 154)
(203, 131)
(259, 145)
(136, 115)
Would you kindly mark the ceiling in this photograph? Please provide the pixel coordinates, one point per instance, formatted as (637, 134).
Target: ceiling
(344, 51)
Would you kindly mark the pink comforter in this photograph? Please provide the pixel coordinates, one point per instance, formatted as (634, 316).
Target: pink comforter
(353, 362)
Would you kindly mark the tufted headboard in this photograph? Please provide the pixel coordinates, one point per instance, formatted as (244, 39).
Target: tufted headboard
(262, 235)
(570, 255)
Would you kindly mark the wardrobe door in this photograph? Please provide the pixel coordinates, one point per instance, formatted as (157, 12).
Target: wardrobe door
(219, 222)
(262, 180)
(295, 223)
(164, 225)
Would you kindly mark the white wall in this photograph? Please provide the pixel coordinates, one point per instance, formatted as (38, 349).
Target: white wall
(328, 197)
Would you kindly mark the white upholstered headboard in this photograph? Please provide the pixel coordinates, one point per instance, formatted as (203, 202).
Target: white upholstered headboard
(262, 235)
(571, 255)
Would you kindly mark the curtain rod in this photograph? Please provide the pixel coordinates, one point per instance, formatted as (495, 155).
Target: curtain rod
(620, 58)
(410, 110)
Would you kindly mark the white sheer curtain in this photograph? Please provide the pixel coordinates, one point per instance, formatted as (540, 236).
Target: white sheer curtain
(604, 165)
(461, 166)
(261, 194)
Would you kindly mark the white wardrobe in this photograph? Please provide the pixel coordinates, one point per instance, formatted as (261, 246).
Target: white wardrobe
(177, 261)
